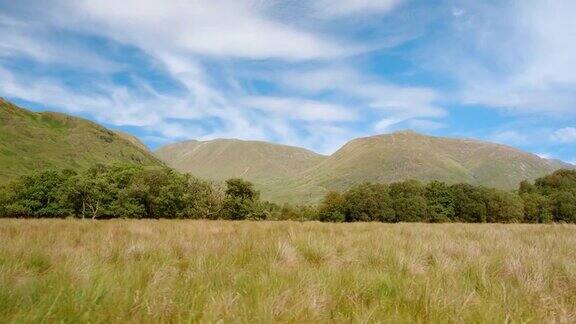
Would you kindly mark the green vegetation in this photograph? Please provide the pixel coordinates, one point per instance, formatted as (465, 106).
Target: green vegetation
(32, 141)
(132, 191)
(127, 191)
(265, 272)
(266, 165)
(288, 174)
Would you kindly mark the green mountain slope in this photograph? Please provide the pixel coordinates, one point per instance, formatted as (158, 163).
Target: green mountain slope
(408, 155)
(32, 141)
(288, 174)
(133, 139)
(260, 162)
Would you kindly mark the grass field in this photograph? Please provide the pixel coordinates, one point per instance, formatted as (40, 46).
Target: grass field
(183, 271)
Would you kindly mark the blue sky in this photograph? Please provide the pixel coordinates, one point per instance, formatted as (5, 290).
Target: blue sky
(308, 73)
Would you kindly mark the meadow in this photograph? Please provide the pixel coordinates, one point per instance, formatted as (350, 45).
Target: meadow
(65, 270)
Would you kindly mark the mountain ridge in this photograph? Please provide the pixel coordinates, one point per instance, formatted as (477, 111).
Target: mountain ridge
(261, 161)
(386, 158)
(32, 141)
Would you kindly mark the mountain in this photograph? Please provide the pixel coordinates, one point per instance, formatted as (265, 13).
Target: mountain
(260, 162)
(288, 174)
(559, 164)
(32, 141)
(133, 139)
(408, 155)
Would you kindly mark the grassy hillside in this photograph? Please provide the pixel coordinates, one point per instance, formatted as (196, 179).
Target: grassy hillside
(31, 141)
(296, 175)
(260, 162)
(270, 272)
(133, 139)
(408, 155)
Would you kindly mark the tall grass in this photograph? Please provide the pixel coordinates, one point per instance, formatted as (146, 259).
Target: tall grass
(184, 271)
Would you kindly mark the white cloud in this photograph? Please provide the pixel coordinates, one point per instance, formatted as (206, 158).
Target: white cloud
(564, 135)
(189, 40)
(384, 125)
(457, 12)
(298, 109)
(225, 28)
(25, 39)
(396, 103)
(519, 56)
(331, 8)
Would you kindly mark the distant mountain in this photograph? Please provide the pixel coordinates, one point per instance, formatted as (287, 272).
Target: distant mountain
(408, 155)
(221, 159)
(297, 175)
(32, 141)
(561, 164)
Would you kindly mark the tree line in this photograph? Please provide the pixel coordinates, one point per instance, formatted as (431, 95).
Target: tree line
(130, 191)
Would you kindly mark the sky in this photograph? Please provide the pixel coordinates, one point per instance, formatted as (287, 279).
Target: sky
(307, 73)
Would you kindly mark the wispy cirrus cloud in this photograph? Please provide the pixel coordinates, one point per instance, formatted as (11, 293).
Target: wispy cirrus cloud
(302, 72)
(564, 135)
(187, 39)
(395, 104)
(518, 56)
(334, 9)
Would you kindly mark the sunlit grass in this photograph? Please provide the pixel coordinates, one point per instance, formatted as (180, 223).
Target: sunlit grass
(181, 271)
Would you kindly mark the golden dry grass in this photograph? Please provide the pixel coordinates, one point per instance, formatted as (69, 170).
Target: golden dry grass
(188, 271)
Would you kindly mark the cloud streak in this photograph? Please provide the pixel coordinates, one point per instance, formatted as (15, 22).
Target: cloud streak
(300, 72)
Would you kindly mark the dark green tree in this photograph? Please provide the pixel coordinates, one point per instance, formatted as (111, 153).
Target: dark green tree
(332, 208)
(469, 204)
(37, 195)
(369, 202)
(241, 201)
(409, 202)
(537, 208)
(441, 202)
(503, 207)
(564, 206)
